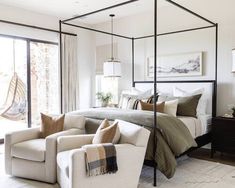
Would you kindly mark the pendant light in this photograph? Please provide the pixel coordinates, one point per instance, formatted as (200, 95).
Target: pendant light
(112, 67)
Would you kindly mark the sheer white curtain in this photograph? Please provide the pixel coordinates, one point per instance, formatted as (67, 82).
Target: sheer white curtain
(70, 93)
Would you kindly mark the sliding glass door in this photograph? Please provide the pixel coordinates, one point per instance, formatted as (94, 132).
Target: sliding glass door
(29, 82)
(44, 80)
(13, 84)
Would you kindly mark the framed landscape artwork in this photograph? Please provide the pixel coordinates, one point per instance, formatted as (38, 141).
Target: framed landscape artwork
(187, 64)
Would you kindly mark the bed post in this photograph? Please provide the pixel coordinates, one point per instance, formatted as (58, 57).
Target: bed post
(155, 99)
(214, 111)
(61, 79)
(133, 62)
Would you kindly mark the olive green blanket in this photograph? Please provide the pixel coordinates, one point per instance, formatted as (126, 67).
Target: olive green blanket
(172, 136)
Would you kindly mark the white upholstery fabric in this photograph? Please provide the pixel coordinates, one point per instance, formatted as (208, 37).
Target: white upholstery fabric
(129, 132)
(33, 150)
(24, 153)
(63, 162)
(17, 137)
(130, 157)
(74, 121)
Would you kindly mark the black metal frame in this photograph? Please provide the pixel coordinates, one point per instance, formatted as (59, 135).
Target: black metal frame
(155, 35)
(35, 27)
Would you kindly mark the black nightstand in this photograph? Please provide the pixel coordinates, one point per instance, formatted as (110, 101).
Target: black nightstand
(223, 135)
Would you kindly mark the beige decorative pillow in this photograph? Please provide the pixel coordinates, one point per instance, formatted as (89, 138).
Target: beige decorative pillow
(149, 107)
(107, 133)
(51, 125)
(170, 107)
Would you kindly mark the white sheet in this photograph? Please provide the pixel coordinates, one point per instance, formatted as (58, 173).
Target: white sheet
(197, 126)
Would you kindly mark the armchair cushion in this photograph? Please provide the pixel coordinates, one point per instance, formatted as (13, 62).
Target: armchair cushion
(107, 133)
(74, 121)
(129, 132)
(33, 150)
(51, 125)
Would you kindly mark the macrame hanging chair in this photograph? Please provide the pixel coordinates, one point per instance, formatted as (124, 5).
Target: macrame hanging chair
(14, 107)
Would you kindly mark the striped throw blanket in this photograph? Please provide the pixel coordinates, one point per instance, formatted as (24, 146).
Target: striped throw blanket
(100, 159)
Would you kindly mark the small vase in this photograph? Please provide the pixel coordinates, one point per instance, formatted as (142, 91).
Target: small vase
(104, 104)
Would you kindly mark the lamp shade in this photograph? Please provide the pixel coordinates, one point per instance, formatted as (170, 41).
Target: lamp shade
(112, 69)
(233, 55)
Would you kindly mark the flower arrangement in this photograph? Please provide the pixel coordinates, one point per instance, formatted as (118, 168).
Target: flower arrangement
(104, 98)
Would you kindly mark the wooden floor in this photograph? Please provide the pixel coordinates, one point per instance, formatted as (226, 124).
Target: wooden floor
(222, 158)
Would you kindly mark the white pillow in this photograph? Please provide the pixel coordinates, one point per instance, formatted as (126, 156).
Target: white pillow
(170, 107)
(202, 104)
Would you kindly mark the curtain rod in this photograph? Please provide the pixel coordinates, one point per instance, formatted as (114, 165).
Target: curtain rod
(35, 27)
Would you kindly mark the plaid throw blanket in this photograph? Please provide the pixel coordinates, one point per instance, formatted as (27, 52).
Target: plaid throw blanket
(100, 159)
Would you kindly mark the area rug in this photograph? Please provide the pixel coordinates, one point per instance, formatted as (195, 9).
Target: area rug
(191, 173)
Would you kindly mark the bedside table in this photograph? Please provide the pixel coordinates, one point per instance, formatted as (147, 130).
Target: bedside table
(223, 135)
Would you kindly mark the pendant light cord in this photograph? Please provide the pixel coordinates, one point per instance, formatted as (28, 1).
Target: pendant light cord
(112, 57)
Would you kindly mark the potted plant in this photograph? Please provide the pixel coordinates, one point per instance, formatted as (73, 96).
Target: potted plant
(104, 98)
(233, 109)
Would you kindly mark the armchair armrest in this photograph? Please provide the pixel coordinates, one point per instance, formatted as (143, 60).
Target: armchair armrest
(22, 135)
(127, 156)
(73, 142)
(51, 150)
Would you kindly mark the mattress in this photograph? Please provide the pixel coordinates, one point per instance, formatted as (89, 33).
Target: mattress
(197, 126)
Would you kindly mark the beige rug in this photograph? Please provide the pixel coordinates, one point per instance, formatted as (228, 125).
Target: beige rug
(191, 173)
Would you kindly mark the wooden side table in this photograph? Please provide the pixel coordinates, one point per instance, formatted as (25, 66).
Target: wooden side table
(223, 135)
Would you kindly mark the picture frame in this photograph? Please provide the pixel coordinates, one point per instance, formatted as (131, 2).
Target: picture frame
(176, 65)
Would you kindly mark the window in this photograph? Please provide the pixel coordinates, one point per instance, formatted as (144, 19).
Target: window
(21, 102)
(107, 84)
(13, 84)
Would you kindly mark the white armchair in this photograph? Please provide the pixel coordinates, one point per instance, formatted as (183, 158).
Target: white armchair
(71, 167)
(29, 156)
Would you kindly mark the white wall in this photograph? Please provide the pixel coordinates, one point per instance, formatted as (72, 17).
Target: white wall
(171, 19)
(86, 51)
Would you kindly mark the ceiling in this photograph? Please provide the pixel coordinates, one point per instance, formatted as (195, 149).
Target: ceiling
(68, 8)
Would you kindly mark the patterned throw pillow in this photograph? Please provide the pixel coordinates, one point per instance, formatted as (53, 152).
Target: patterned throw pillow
(51, 125)
(133, 102)
(107, 133)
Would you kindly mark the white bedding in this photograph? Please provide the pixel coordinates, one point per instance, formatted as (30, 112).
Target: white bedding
(197, 126)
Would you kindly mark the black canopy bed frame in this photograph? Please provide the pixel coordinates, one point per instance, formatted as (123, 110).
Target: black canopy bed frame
(202, 140)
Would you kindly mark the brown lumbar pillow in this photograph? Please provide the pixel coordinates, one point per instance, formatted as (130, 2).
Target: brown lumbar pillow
(51, 125)
(107, 133)
(149, 107)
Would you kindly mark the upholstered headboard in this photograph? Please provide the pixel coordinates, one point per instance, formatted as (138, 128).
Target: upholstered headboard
(168, 86)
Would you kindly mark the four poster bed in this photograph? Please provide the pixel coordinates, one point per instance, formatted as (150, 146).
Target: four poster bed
(152, 120)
